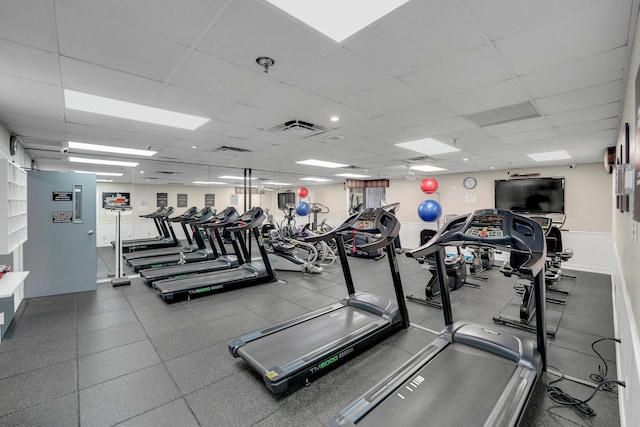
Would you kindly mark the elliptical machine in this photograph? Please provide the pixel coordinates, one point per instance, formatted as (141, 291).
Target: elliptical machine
(284, 256)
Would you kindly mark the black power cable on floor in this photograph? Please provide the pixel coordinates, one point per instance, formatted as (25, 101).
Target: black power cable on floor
(559, 396)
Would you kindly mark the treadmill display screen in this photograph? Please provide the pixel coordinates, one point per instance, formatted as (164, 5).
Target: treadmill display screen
(366, 220)
(487, 226)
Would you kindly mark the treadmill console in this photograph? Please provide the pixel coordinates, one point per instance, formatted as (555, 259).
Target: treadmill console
(366, 221)
(485, 226)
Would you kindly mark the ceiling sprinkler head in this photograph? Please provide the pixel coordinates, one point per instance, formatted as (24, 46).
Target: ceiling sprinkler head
(265, 62)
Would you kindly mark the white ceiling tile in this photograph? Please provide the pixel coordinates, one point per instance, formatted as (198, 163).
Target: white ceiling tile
(29, 90)
(600, 26)
(420, 114)
(499, 18)
(337, 75)
(96, 80)
(94, 38)
(265, 31)
(94, 134)
(30, 108)
(289, 100)
(518, 126)
(29, 22)
(19, 120)
(591, 126)
(369, 127)
(322, 116)
(181, 21)
(534, 135)
(226, 128)
(186, 101)
(603, 67)
(581, 98)
(507, 92)
(456, 124)
(603, 111)
(254, 117)
(469, 70)
(384, 98)
(420, 33)
(28, 62)
(154, 129)
(206, 74)
(41, 134)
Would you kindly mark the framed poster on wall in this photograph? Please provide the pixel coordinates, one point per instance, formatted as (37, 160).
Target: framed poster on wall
(182, 200)
(162, 200)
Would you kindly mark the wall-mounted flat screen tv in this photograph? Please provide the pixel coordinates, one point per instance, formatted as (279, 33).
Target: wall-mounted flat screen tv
(531, 195)
(286, 198)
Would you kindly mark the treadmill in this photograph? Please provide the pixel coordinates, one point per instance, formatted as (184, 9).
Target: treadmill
(471, 375)
(221, 262)
(189, 213)
(167, 239)
(202, 254)
(249, 272)
(308, 345)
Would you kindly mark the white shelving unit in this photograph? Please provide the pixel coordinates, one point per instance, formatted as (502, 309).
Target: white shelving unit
(13, 232)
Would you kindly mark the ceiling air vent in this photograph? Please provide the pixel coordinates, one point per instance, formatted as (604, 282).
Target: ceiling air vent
(167, 173)
(417, 159)
(510, 113)
(298, 127)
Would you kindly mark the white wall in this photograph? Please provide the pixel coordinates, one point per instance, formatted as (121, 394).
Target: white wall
(626, 278)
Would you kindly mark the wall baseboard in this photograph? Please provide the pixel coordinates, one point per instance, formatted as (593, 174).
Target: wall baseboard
(628, 351)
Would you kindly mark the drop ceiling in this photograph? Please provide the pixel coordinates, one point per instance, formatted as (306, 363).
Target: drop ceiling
(420, 72)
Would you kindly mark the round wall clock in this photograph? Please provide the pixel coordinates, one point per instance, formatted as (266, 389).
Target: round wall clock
(469, 183)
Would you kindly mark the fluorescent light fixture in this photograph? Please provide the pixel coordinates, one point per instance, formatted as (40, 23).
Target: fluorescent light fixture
(338, 19)
(102, 162)
(110, 149)
(428, 146)
(104, 180)
(427, 168)
(233, 177)
(335, 118)
(101, 173)
(209, 182)
(352, 175)
(277, 183)
(128, 110)
(321, 163)
(551, 155)
(315, 179)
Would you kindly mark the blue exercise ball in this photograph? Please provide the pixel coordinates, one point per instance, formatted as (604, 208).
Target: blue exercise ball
(429, 210)
(303, 209)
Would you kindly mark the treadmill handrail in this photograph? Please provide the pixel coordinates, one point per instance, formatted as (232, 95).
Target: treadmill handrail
(518, 230)
(257, 217)
(223, 218)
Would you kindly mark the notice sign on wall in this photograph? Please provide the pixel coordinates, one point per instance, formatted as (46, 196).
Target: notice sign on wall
(182, 200)
(162, 200)
(62, 196)
(60, 217)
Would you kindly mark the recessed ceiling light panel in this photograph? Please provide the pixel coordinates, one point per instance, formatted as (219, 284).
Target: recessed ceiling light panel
(102, 162)
(352, 175)
(100, 173)
(233, 177)
(338, 19)
(427, 168)
(550, 156)
(109, 149)
(315, 179)
(321, 163)
(209, 182)
(128, 110)
(428, 146)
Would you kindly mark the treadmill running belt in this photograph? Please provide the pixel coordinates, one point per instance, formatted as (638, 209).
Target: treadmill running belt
(303, 338)
(215, 278)
(480, 378)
